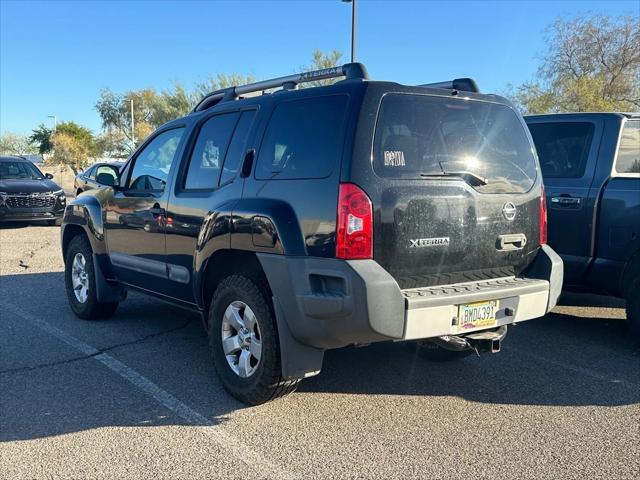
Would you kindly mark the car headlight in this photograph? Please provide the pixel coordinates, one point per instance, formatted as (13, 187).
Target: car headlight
(59, 193)
(3, 198)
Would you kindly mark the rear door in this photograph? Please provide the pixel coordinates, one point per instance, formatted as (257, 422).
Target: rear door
(568, 152)
(454, 187)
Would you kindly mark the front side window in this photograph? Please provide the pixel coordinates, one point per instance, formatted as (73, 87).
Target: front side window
(628, 159)
(90, 172)
(151, 167)
(563, 147)
(303, 139)
(108, 169)
(209, 152)
(418, 136)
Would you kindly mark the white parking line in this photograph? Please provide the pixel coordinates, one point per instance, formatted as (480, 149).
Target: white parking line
(263, 467)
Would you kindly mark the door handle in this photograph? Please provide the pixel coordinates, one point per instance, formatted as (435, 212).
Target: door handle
(565, 202)
(157, 210)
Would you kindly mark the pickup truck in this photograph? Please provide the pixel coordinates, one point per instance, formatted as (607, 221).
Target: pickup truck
(591, 169)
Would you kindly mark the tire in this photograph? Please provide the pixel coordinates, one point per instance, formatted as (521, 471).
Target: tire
(434, 353)
(633, 309)
(85, 305)
(253, 380)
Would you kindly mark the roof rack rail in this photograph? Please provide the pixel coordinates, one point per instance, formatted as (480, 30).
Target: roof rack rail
(462, 84)
(290, 82)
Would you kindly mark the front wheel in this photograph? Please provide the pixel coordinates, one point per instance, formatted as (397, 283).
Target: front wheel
(80, 282)
(244, 341)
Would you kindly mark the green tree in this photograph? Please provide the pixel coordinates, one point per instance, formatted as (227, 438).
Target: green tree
(592, 63)
(74, 145)
(16, 144)
(41, 137)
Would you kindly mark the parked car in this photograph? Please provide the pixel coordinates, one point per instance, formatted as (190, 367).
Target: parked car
(86, 180)
(591, 168)
(312, 219)
(28, 194)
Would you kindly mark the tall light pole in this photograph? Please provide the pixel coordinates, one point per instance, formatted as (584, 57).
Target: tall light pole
(55, 122)
(353, 28)
(133, 135)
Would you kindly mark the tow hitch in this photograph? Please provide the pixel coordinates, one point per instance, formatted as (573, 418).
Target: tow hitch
(480, 342)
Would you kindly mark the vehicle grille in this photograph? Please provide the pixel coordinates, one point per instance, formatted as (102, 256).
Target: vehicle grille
(31, 201)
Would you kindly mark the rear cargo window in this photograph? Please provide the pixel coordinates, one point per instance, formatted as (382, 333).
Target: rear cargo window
(628, 160)
(303, 139)
(563, 147)
(422, 135)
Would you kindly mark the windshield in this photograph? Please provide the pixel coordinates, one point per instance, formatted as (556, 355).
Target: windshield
(421, 135)
(19, 171)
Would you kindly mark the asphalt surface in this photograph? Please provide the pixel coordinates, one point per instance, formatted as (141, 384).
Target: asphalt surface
(136, 396)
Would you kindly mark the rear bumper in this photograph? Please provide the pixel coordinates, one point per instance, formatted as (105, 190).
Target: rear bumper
(329, 303)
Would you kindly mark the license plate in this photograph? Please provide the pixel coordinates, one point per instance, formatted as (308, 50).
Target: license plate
(477, 315)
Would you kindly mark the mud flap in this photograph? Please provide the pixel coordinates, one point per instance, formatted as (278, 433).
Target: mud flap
(104, 291)
(297, 360)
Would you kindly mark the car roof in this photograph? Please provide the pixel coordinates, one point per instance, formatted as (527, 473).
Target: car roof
(13, 158)
(584, 114)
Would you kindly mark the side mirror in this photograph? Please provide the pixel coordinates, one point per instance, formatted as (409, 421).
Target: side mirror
(247, 163)
(49, 175)
(106, 178)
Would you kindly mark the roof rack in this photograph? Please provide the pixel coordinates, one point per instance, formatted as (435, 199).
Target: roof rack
(290, 82)
(461, 84)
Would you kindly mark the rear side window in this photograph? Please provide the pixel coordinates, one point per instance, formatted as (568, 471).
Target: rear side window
(628, 160)
(303, 139)
(420, 135)
(238, 146)
(208, 154)
(563, 147)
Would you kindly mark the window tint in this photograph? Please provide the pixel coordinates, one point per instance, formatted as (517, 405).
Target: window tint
(563, 147)
(238, 147)
(19, 170)
(209, 151)
(152, 165)
(628, 160)
(419, 135)
(303, 139)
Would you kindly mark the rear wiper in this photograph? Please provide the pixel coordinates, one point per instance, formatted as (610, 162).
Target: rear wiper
(470, 177)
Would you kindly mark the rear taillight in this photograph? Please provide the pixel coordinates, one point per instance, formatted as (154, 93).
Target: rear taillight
(543, 218)
(355, 223)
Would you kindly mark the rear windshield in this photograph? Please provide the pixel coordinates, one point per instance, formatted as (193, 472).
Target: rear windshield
(421, 135)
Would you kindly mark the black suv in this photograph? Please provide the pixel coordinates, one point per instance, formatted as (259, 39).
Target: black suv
(304, 220)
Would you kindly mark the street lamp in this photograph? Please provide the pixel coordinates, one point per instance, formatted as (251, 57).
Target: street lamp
(55, 122)
(353, 28)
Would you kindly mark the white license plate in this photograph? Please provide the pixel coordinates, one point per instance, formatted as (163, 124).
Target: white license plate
(477, 315)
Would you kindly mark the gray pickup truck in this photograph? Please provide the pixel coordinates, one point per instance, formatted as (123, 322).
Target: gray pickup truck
(591, 168)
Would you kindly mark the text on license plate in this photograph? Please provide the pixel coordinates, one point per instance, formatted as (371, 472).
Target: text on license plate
(476, 315)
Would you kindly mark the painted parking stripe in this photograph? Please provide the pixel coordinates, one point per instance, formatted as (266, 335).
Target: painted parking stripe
(263, 467)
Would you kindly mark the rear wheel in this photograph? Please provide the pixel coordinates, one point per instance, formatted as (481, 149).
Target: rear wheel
(80, 282)
(244, 342)
(436, 353)
(633, 308)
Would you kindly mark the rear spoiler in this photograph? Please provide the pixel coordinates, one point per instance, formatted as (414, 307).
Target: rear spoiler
(461, 84)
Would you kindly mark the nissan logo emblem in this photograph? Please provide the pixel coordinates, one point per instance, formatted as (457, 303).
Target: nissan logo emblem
(509, 211)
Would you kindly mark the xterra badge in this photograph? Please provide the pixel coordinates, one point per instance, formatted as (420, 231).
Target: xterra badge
(429, 242)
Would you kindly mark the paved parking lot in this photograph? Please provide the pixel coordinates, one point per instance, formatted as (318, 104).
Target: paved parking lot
(136, 396)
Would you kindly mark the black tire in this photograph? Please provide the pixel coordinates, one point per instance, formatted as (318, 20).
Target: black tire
(633, 309)
(91, 308)
(266, 382)
(434, 353)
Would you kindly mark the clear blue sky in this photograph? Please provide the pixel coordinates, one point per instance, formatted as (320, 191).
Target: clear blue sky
(55, 57)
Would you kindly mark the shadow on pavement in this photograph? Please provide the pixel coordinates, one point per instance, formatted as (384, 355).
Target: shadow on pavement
(58, 393)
